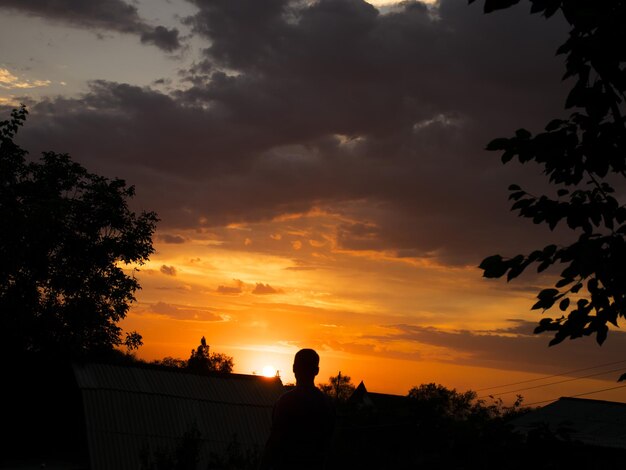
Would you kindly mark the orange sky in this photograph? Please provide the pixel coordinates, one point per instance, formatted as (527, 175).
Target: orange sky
(320, 174)
(259, 292)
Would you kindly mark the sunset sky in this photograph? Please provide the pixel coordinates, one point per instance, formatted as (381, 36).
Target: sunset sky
(320, 175)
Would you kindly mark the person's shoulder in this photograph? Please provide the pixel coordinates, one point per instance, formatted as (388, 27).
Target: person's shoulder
(289, 394)
(320, 397)
(288, 397)
(317, 392)
(302, 393)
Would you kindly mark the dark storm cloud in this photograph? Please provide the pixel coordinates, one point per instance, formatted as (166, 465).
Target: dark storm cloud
(381, 118)
(114, 15)
(161, 37)
(515, 347)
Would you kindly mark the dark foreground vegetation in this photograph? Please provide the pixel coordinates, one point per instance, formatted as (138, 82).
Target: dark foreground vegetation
(438, 428)
(433, 427)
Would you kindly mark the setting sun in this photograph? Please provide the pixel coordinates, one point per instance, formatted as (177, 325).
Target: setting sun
(269, 371)
(297, 214)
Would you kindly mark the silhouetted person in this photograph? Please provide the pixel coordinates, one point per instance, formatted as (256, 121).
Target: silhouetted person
(303, 421)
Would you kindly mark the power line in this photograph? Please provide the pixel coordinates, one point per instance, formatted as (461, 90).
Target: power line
(553, 383)
(550, 376)
(598, 391)
(578, 395)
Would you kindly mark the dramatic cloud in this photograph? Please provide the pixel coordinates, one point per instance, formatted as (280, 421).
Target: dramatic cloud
(103, 15)
(379, 119)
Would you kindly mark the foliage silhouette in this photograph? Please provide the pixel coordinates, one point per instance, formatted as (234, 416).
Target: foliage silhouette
(440, 401)
(339, 387)
(431, 427)
(185, 456)
(203, 361)
(457, 430)
(67, 235)
(579, 154)
(235, 457)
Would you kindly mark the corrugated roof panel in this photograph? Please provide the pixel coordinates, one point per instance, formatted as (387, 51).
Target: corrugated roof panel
(259, 391)
(130, 410)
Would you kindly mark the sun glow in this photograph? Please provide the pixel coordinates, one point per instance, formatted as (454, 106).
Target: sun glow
(269, 371)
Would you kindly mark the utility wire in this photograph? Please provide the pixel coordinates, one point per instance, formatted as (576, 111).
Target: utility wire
(552, 383)
(550, 376)
(577, 395)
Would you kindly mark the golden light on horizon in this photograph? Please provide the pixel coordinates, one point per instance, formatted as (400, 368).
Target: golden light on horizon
(269, 371)
(392, 322)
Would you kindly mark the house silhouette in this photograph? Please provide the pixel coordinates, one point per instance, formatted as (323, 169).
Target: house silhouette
(595, 423)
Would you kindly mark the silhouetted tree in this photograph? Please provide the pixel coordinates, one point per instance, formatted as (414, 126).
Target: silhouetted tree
(339, 388)
(578, 153)
(440, 401)
(202, 360)
(66, 236)
(457, 430)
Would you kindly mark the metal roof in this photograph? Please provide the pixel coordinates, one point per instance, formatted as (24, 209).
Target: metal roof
(130, 410)
(592, 422)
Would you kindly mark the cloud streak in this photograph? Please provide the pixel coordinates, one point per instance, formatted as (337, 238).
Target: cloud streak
(181, 312)
(102, 15)
(8, 81)
(513, 348)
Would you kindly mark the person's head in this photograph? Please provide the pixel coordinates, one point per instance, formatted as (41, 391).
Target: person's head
(306, 365)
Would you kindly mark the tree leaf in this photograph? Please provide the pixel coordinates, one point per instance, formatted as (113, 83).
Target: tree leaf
(563, 282)
(547, 293)
(556, 340)
(493, 266)
(493, 5)
(498, 144)
(601, 334)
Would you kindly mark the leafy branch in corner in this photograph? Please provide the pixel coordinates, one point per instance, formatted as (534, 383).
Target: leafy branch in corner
(578, 154)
